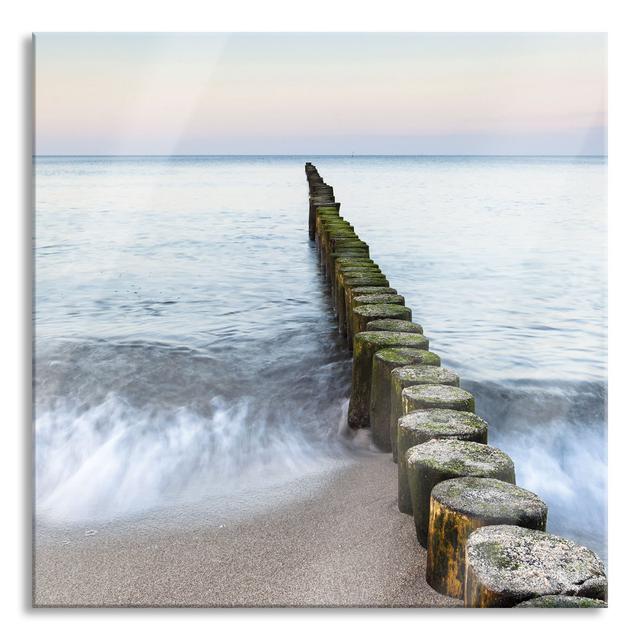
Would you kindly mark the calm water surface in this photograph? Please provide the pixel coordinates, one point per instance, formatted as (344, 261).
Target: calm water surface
(186, 351)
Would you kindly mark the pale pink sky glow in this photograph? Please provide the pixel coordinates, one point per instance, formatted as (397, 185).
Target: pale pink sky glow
(321, 93)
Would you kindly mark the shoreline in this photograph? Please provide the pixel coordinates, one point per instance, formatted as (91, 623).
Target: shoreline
(345, 545)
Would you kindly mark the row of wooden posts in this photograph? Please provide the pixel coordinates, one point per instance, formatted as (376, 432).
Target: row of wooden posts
(484, 536)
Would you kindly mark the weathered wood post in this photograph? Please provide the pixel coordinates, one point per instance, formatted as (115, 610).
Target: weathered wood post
(384, 362)
(408, 377)
(326, 215)
(443, 459)
(362, 313)
(315, 202)
(506, 565)
(336, 232)
(386, 324)
(340, 305)
(419, 427)
(366, 344)
(462, 505)
(344, 291)
(351, 272)
(339, 259)
(562, 602)
(375, 298)
(378, 298)
(436, 396)
(319, 211)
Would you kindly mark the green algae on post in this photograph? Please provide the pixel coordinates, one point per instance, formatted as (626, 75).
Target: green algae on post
(371, 290)
(351, 281)
(337, 236)
(352, 273)
(436, 396)
(443, 459)
(339, 261)
(349, 252)
(384, 362)
(387, 324)
(460, 506)
(356, 291)
(362, 314)
(419, 427)
(413, 376)
(346, 286)
(366, 344)
(370, 299)
(506, 565)
(378, 298)
(324, 201)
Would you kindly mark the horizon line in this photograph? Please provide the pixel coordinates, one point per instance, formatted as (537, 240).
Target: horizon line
(319, 155)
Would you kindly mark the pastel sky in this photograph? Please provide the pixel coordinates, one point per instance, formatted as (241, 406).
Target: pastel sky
(315, 93)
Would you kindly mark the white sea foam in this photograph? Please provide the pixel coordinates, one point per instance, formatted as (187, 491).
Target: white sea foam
(112, 460)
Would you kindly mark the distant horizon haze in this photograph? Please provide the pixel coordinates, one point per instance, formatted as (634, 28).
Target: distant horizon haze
(482, 94)
(319, 155)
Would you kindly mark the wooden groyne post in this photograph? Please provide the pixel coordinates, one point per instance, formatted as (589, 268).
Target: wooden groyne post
(484, 536)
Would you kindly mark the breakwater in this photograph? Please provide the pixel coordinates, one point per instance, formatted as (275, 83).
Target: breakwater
(485, 536)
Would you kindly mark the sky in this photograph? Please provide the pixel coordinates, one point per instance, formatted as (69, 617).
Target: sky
(321, 93)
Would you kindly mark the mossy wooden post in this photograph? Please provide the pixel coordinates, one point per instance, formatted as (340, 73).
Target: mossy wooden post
(352, 281)
(339, 236)
(443, 459)
(361, 314)
(386, 324)
(348, 253)
(384, 362)
(506, 565)
(338, 232)
(462, 505)
(436, 396)
(357, 291)
(345, 242)
(413, 376)
(339, 261)
(355, 252)
(366, 344)
(338, 239)
(326, 216)
(372, 298)
(348, 270)
(355, 270)
(314, 203)
(378, 298)
(349, 273)
(562, 602)
(350, 290)
(418, 374)
(327, 212)
(419, 427)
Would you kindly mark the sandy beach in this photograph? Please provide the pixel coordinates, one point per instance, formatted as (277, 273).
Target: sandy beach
(345, 546)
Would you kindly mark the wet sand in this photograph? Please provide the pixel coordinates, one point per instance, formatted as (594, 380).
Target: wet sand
(345, 546)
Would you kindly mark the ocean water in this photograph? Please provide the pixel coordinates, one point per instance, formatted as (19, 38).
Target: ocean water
(186, 353)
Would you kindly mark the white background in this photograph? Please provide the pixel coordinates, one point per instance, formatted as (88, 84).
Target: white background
(18, 620)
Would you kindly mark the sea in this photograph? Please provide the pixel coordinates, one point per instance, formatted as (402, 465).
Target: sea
(186, 352)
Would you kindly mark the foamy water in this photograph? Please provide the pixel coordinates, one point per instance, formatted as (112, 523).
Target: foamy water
(185, 347)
